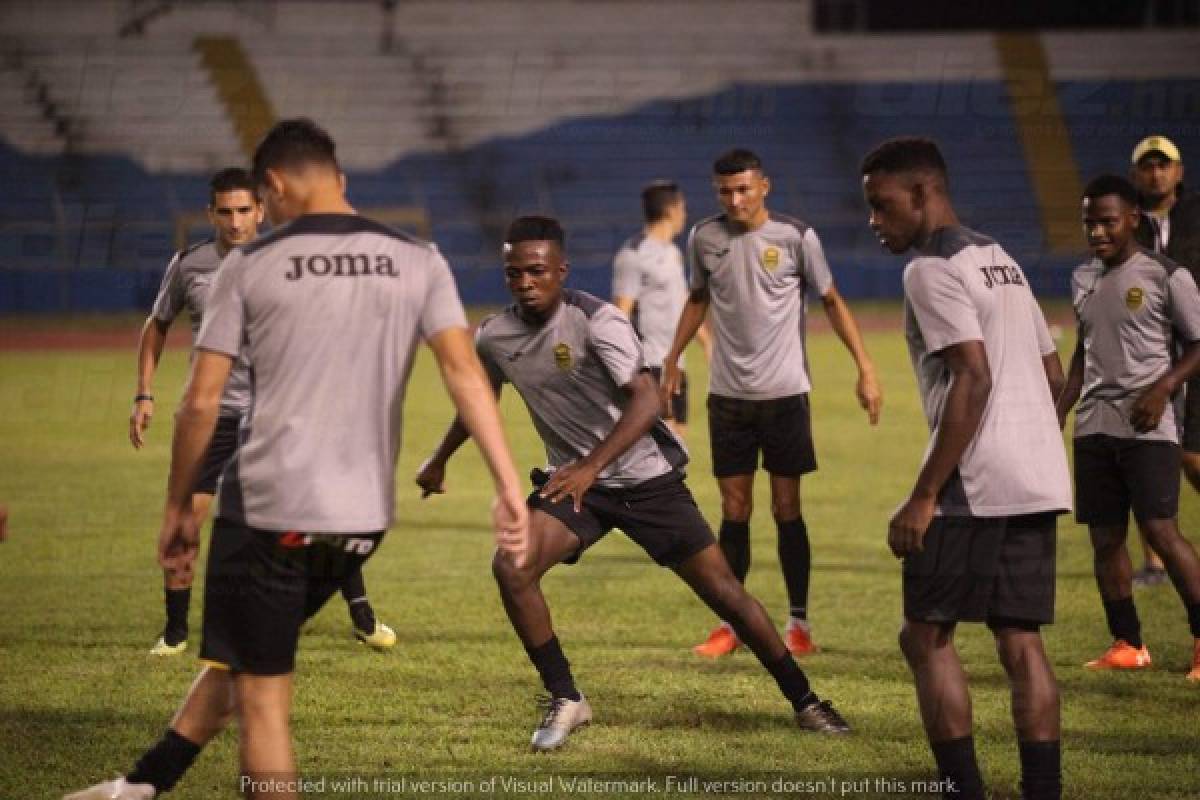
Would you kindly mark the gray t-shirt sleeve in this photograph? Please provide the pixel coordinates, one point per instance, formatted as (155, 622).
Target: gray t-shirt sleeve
(494, 373)
(1045, 341)
(442, 308)
(941, 304)
(697, 274)
(171, 296)
(223, 329)
(627, 274)
(612, 338)
(1183, 305)
(817, 277)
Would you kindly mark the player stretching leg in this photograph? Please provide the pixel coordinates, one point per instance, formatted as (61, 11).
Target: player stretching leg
(577, 364)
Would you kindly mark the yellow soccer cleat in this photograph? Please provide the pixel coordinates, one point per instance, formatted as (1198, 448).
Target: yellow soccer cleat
(382, 638)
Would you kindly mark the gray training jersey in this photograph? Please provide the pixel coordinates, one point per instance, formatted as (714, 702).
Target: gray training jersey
(186, 284)
(963, 287)
(1131, 320)
(650, 272)
(757, 282)
(328, 310)
(569, 372)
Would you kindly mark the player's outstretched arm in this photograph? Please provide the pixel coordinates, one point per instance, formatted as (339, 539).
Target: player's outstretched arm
(1070, 392)
(479, 415)
(638, 416)
(690, 321)
(970, 387)
(195, 420)
(150, 347)
(868, 390)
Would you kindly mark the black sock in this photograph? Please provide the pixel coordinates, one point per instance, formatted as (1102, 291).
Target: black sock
(354, 592)
(164, 764)
(795, 556)
(1193, 610)
(958, 768)
(734, 538)
(178, 601)
(1123, 621)
(792, 681)
(554, 669)
(1041, 770)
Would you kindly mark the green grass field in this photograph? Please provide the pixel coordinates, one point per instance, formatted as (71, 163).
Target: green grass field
(81, 595)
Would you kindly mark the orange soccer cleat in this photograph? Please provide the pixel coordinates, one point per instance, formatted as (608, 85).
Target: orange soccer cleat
(1194, 674)
(798, 639)
(721, 642)
(1122, 655)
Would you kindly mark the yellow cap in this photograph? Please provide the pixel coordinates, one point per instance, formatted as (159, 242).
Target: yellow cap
(1156, 144)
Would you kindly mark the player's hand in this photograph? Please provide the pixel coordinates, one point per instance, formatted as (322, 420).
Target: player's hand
(178, 539)
(139, 421)
(870, 396)
(572, 481)
(1148, 409)
(906, 531)
(510, 520)
(672, 384)
(431, 477)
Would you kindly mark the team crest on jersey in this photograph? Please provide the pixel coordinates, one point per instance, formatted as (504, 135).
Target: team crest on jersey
(562, 356)
(770, 258)
(1134, 298)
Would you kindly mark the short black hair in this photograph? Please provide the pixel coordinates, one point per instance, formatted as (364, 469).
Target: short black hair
(657, 197)
(1112, 184)
(905, 154)
(739, 159)
(536, 229)
(294, 143)
(231, 179)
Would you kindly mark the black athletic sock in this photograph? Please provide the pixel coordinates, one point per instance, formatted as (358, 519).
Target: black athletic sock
(176, 629)
(958, 768)
(554, 669)
(1123, 622)
(792, 681)
(1041, 770)
(354, 592)
(1193, 610)
(734, 538)
(164, 764)
(795, 556)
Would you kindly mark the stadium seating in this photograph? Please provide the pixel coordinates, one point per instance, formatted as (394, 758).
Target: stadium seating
(479, 111)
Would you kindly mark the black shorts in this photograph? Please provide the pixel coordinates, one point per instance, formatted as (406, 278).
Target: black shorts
(262, 585)
(781, 428)
(1191, 417)
(679, 402)
(1115, 475)
(976, 569)
(222, 447)
(660, 515)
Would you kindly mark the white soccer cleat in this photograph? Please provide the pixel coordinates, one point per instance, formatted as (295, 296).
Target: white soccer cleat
(382, 638)
(561, 718)
(117, 789)
(161, 648)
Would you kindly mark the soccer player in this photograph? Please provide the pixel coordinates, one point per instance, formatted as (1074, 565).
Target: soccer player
(235, 213)
(327, 310)
(1169, 224)
(650, 286)
(977, 532)
(755, 268)
(1138, 343)
(577, 364)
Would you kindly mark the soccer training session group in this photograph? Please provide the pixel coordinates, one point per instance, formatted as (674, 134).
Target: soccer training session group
(319, 319)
